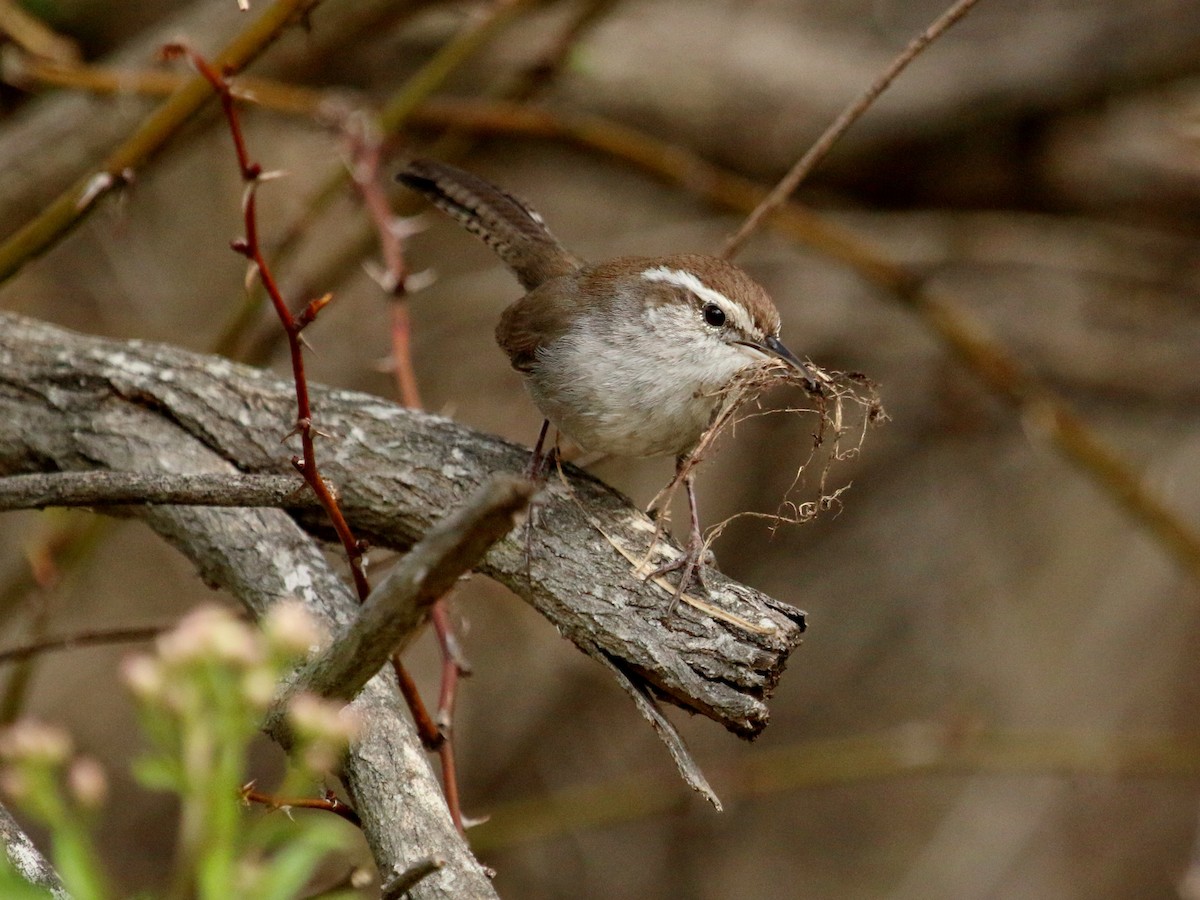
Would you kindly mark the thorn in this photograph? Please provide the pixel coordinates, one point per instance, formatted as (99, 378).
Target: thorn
(405, 227)
(300, 426)
(312, 309)
(96, 185)
(172, 51)
(384, 278)
(418, 281)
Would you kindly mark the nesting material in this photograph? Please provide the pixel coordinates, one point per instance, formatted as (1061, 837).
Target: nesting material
(846, 406)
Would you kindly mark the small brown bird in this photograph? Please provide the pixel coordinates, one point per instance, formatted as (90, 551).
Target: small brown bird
(627, 356)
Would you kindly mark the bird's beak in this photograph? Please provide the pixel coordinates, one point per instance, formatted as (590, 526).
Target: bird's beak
(774, 347)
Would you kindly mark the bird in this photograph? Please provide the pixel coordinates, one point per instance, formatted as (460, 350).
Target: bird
(628, 356)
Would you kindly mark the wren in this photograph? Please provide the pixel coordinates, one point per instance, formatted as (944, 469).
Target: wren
(625, 357)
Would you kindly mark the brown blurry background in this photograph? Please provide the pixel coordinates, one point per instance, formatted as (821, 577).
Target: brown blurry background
(976, 593)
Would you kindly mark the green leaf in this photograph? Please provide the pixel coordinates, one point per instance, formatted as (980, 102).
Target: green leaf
(158, 773)
(14, 887)
(287, 873)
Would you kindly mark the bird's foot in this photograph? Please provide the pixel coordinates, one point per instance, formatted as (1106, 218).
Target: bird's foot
(691, 564)
(541, 462)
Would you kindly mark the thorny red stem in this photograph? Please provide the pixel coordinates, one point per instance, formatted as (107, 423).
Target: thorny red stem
(453, 668)
(450, 784)
(330, 802)
(427, 729)
(366, 157)
(251, 248)
(454, 665)
(406, 376)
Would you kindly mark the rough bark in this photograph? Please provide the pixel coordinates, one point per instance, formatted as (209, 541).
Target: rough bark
(72, 402)
(259, 555)
(26, 859)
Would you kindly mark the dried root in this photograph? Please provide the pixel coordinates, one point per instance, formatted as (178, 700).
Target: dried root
(847, 406)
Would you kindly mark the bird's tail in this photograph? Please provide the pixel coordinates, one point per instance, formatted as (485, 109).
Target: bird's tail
(515, 232)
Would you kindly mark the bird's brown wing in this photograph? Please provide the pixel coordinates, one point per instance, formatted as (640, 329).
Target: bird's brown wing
(537, 319)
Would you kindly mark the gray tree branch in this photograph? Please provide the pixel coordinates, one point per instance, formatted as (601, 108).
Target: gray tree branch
(26, 859)
(70, 402)
(261, 556)
(102, 487)
(400, 603)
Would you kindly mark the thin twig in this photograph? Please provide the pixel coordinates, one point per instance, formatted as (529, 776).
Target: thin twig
(329, 803)
(24, 71)
(427, 728)
(399, 886)
(454, 668)
(366, 164)
(83, 639)
(817, 152)
(35, 36)
(251, 247)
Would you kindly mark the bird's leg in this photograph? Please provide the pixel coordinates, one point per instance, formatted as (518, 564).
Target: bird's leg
(537, 473)
(537, 462)
(691, 562)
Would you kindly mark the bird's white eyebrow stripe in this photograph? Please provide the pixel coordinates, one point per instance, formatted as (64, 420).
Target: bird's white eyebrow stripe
(690, 282)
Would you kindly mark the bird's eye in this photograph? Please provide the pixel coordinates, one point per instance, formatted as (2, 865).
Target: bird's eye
(714, 315)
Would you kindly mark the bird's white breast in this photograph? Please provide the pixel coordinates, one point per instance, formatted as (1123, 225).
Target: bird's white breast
(637, 385)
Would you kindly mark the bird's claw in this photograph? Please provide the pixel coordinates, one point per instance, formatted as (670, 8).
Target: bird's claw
(691, 564)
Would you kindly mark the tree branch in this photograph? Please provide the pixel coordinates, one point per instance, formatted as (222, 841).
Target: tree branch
(74, 402)
(106, 488)
(261, 556)
(25, 858)
(400, 603)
